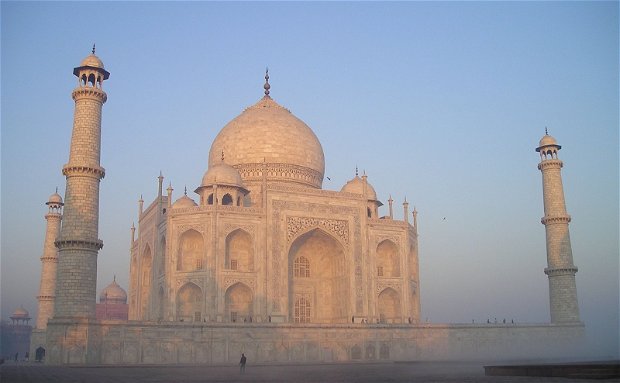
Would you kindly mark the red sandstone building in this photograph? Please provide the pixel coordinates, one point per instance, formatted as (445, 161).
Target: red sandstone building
(113, 303)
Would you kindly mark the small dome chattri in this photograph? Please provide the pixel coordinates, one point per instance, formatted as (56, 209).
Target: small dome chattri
(20, 313)
(55, 199)
(113, 294)
(222, 174)
(547, 140)
(183, 202)
(92, 61)
(357, 185)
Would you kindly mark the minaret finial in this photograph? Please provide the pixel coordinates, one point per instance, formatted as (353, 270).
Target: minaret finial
(56, 189)
(93, 48)
(546, 132)
(114, 278)
(356, 172)
(267, 86)
(186, 190)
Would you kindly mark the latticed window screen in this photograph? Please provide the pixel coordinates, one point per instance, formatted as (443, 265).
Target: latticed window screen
(233, 316)
(302, 267)
(302, 309)
(233, 264)
(199, 264)
(380, 271)
(197, 316)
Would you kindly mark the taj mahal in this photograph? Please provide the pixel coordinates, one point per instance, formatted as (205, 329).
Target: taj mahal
(261, 259)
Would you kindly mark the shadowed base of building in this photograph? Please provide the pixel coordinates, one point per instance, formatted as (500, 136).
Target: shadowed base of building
(74, 341)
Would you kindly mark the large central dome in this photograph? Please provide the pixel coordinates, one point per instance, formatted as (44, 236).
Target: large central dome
(268, 136)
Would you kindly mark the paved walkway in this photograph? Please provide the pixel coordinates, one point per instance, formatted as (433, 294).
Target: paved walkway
(379, 372)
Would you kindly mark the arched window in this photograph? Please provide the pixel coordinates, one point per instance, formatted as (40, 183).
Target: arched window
(227, 200)
(189, 303)
(162, 259)
(190, 253)
(210, 199)
(302, 267)
(369, 212)
(238, 302)
(239, 251)
(388, 261)
(303, 309)
(389, 306)
(91, 80)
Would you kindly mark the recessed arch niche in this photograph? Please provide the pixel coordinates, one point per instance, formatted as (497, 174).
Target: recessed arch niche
(323, 286)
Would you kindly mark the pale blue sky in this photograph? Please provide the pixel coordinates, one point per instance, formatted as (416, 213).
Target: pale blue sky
(443, 103)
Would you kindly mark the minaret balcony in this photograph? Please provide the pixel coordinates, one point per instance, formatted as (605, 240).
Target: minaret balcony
(564, 219)
(554, 272)
(89, 92)
(550, 164)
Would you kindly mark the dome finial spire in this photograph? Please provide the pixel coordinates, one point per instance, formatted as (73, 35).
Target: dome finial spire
(267, 86)
(546, 132)
(93, 48)
(186, 190)
(356, 171)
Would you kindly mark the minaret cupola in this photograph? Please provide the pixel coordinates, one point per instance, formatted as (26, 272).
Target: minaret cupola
(91, 72)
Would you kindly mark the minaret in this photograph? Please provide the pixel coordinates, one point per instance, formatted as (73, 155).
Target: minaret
(560, 267)
(79, 243)
(49, 261)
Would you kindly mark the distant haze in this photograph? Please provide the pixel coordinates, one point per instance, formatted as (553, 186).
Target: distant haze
(441, 103)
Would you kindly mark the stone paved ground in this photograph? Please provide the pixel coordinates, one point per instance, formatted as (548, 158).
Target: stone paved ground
(379, 372)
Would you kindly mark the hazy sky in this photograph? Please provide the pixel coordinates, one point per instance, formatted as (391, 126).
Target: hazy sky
(441, 103)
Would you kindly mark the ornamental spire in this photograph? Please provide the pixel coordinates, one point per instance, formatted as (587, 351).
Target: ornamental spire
(267, 86)
(93, 48)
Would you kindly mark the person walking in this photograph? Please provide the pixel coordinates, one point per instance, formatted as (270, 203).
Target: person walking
(242, 363)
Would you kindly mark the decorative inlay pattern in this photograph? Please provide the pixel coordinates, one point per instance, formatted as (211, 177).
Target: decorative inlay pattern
(295, 225)
(278, 171)
(230, 227)
(248, 281)
(384, 284)
(198, 227)
(394, 239)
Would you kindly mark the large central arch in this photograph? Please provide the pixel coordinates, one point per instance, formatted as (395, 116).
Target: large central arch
(319, 289)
